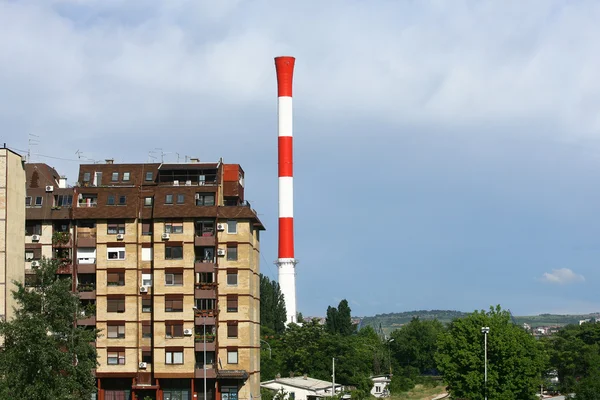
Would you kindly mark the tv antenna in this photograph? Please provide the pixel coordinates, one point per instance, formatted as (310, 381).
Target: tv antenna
(32, 141)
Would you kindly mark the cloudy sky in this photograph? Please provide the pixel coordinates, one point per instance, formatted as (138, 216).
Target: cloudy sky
(447, 152)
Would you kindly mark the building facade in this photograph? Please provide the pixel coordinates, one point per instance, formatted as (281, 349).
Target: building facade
(12, 216)
(165, 258)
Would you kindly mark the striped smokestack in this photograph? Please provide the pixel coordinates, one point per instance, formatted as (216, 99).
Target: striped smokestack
(286, 262)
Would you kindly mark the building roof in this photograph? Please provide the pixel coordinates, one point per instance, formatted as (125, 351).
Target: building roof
(302, 382)
(40, 175)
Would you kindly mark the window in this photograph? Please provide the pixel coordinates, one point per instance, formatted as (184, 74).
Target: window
(146, 227)
(115, 357)
(146, 279)
(115, 278)
(27, 201)
(174, 227)
(116, 331)
(115, 304)
(232, 356)
(169, 199)
(173, 329)
(147, 357)
(115, 177)
(232, 278)
(114, 228)
(146, 305)
(174, 279)
(231, 226)
(149, 176)
(38, 201)
(232, 330)
(110, 200)
(33, 228)
(232, 252)
(125, 176)
(116, 253)
(146, 330)
(33, 254)
(174, 356)
(206, 304)
(146, 253)
(86, 176)
(232, 303)
(147, 201)
(122, 200)
(63, 200)
(86, 255)
(204, 278)
(205, 199)
(28, 255)
(173, 252)
(180, 199)
(377, 389)
(174, 304)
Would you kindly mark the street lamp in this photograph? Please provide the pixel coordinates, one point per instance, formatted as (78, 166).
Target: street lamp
(485, 330)
(268, 345)
(390, 355)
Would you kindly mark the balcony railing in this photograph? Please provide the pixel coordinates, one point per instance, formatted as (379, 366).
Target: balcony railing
(61, 238)
(86, 287)
(92, 203)
(199, 338)
(86, 232)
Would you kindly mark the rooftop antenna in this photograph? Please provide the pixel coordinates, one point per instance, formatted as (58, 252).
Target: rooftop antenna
(150, 156)
(32, 141)
(177, 158)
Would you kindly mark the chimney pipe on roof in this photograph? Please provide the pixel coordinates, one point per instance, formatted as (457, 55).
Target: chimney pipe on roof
(110, 161)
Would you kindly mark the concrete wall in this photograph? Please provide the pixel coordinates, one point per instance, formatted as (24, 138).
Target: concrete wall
(12, 228)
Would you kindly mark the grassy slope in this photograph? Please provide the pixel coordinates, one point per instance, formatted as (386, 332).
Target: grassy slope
(420, 393)
(392, 321)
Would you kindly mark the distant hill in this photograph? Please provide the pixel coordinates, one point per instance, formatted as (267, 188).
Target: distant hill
(392, 321)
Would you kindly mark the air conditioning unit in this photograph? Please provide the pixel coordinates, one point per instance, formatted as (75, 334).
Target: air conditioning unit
(35, 264)
(175, 182)
(220, 252)
(188, 183)
(143, 289)
(187, 332)
(120, 236)
(49, 188)
(165, 236)
(220, 227)
(143, 365)
(35, 238)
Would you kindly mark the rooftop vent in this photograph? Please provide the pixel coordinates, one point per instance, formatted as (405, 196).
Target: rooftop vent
(194, 160)
(110, 161)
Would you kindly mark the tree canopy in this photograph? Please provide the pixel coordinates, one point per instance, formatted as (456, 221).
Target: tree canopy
(515, 359)
(339, 320)
(45, 355)
(272, 306)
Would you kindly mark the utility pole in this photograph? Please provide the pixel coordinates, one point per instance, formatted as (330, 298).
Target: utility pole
(485, 330)
(333, 378)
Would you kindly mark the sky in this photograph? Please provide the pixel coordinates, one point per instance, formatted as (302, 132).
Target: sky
(447, 153)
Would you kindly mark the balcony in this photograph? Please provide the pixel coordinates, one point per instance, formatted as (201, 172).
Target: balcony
(65, 266)
(87, 321)
(86, 267)
(86, 237)
(199, 346)
(206, 319)
(88, 201)
(205, 291)
(61, 239)
(204, 239)
(202, 265)
(87, 291)
(211, 372)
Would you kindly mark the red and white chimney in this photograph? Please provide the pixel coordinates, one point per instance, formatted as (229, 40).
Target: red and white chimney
(286, 262)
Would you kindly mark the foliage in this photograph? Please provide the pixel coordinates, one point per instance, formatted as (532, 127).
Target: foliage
(415, 344)
(61, 238)
(339, 320)
(575, 355)
(272, 305)
(45, 355)
(515, 359)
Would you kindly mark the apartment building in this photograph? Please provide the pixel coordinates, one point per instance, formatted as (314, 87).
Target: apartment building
(12, 216)
(165, 258)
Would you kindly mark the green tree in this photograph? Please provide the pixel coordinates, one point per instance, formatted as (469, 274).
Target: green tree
(339, 320)
(515, 359)
(415, 344)
(45, 355)
(272, 306)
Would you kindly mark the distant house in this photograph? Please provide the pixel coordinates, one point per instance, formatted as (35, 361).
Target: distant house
(380, 386)
(302, 387)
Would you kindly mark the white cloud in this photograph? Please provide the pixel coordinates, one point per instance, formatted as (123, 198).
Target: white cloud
(562, 276)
